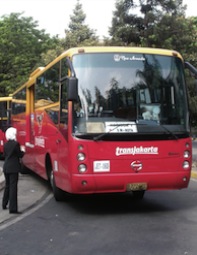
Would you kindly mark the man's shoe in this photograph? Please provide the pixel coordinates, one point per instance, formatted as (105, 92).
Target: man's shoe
(4, 207)
(15, 212)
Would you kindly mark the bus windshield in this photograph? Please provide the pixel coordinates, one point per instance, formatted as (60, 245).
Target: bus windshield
(130, 93)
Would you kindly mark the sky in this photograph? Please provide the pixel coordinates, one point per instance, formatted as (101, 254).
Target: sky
(54, 15)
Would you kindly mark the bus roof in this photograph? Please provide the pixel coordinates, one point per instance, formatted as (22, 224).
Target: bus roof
(158, 51)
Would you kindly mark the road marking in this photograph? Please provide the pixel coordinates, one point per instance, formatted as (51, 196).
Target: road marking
(25, 214)
(194, 180)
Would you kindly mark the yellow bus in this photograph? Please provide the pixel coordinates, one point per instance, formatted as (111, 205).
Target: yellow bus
(5, 108)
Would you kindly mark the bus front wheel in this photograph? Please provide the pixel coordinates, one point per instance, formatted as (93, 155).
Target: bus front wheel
(58, 193)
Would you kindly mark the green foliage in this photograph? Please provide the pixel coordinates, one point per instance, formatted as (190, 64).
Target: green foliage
(51, 54)
(136, 22)
(21, 45)
(153, 23)
(161, 24)
(78, 33)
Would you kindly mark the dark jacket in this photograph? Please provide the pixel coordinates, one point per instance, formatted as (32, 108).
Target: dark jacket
(12, 153)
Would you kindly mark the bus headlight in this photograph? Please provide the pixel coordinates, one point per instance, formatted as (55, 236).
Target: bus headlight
(82, 168)
(186, 165)
(80, 156)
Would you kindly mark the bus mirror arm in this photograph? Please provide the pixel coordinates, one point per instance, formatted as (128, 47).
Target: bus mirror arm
(70, 65)
(71, 82)
(191, 68)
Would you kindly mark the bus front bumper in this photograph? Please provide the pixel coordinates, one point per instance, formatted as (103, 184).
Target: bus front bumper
(109, 183)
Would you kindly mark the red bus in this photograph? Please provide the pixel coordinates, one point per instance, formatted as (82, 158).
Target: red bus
(5, 108)
(107, 119)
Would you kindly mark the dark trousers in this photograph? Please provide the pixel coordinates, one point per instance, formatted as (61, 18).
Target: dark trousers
(11, 192)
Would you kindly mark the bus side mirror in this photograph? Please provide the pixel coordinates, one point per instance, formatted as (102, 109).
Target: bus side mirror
(72, 89)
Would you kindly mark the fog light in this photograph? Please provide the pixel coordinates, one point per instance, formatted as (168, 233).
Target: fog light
(82, 168)
(184, 179)
(186, 165)
(84, 183)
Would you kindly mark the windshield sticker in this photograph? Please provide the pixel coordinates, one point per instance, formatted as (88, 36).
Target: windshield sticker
(137, 150)
(118, 58)
(120, 127)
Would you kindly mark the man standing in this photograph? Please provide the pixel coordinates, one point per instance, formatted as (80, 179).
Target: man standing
(11, 169)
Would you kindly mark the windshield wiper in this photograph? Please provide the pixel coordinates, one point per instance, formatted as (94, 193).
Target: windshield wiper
(164, 128)
(169, 132)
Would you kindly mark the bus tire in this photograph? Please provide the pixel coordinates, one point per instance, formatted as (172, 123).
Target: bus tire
(138, 194)
(58, 193)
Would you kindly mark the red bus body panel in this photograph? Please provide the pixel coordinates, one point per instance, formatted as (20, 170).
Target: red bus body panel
(2, 141)
(160, 172)
(161, 162)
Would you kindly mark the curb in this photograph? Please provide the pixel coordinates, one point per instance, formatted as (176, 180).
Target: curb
(194, 174)
(194, 169)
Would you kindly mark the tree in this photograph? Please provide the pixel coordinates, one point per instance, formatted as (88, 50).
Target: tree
(79, 33)
(134, 22)
(189, 40)
(21, 45)
(125, 26)
(161, 24)
(51, 54)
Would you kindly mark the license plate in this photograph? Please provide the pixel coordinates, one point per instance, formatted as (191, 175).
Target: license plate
(136, 186)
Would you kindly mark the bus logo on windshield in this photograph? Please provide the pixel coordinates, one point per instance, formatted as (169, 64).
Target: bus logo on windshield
(118, 58)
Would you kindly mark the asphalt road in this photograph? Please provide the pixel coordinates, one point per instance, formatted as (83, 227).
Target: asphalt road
(163, 223)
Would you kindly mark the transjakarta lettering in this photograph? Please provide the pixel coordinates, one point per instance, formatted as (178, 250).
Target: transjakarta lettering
(136, 150)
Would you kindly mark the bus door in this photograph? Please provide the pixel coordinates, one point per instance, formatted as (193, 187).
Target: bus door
(62, 139)
(29, 158)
